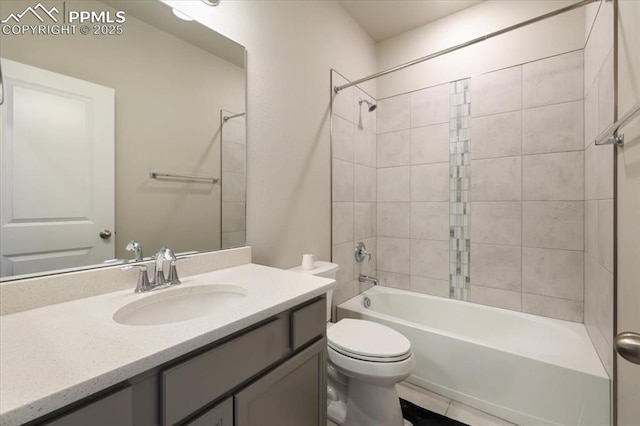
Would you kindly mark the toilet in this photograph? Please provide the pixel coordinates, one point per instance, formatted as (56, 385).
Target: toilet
(366, 360)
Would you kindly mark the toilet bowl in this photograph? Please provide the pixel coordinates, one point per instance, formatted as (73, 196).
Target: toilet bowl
(366, 360)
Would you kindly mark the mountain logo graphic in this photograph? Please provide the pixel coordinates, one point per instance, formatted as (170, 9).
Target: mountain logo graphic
(34, 11)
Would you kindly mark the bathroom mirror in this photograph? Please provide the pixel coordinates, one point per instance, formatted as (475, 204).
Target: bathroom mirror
(128, 125)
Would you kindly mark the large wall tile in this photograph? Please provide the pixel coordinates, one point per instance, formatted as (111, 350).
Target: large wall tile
(430, 106)
(391, 279)
(497, 91)
(393, 184)
(364, 147)
(233, 216)
(342, 180)
(568, 310)
(496, 266)
(553, 224)
(430, 182)
(233, 239)
(364, 215)
(605, 234)
(591, 234)
(393, 220)
(341, 138)
(430, 286)
(342, 222)
(430, 220)
(498, 135)
(233, 186)
(496, 179)
(394, 255)
(364, 183)
(343, 256)
(497, 297)
(603, 158)
(430, 144)
(394, 149)
(553, 176)
(553, 128)
(430, 259)
(496, 222)
(234, 157)
(553, 80)
(606, 99)
(556, 273)
(591, 116)
(394, 113)
(591, 164)
(599, 44)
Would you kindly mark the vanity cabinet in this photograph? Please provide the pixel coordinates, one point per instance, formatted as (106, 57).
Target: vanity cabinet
(272, 373)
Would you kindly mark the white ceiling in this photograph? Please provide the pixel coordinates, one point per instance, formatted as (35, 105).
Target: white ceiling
(383, 19)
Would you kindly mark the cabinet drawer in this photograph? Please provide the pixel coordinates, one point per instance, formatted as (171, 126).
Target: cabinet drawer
(191, 385)
(220, 415)
(308, 323)
(115, 409)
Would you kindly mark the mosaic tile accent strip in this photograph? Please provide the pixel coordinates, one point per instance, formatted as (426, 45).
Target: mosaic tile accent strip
(460, 176)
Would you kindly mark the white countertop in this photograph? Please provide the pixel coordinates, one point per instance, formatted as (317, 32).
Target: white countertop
(55, 355)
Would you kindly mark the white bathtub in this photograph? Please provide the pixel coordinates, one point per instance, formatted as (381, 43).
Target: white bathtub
(523, 368)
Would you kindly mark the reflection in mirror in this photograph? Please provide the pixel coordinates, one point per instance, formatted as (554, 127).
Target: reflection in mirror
(234, 166)
(88, 118)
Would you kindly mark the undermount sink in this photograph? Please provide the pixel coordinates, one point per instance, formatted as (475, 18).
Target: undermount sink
(180, 304)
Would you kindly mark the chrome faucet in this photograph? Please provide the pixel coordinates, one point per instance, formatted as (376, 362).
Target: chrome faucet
(163, 254)
(135, 247)
(367, 279)
(159, 280)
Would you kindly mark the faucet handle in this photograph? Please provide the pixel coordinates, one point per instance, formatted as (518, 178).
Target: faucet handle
(143, 281)
(173, 274)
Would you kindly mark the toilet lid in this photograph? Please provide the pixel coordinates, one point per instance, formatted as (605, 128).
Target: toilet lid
(368, 340)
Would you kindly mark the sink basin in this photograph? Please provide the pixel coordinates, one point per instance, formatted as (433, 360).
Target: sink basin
(180, 304)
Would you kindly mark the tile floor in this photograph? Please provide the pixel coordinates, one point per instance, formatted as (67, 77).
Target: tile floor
(441, 405)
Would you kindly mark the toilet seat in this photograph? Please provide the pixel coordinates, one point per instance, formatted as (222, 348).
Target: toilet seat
(368, 341)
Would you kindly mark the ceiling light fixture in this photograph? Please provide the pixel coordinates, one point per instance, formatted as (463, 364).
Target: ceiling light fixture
(211, 2)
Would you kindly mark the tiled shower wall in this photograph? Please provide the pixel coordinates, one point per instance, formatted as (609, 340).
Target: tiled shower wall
(234, 165)
(598, 110)
(526, 189)
(353, 175)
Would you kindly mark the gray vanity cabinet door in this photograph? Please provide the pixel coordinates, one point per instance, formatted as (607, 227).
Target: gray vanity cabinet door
(294, 394)
(220, 415)
(115, 409)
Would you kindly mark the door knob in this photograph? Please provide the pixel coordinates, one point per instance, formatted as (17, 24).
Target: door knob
(105, 235)
(627, 345)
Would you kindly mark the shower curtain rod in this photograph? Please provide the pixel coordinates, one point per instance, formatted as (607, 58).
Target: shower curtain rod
(229, 117)
(466, 44)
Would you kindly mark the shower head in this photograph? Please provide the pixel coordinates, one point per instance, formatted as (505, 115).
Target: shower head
(371, 105)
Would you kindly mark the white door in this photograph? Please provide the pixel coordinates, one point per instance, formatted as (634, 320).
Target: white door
(57, 179)
(628, 217)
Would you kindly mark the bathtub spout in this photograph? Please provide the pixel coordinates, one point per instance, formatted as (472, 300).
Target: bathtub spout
(367, 279)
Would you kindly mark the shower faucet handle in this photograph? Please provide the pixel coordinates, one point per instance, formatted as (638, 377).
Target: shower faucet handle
(361, 252)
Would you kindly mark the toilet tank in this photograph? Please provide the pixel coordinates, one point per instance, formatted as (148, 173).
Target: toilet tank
(324, 270)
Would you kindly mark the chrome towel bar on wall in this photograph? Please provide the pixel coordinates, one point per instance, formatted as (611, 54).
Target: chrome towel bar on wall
(610, 135)
(158, 175)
